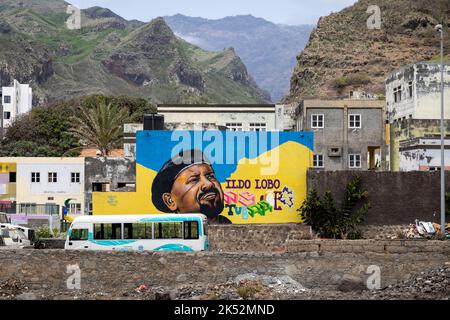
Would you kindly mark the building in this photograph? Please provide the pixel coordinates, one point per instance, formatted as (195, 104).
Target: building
(413, 106)
(43, 185)
(108, 175)
(264, 117)
(348, 134)
(423, 154)
(16, 100)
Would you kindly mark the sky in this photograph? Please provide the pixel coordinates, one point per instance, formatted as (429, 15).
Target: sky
(291, 12)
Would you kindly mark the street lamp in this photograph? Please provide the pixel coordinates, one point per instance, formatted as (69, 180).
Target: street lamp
(440, 29)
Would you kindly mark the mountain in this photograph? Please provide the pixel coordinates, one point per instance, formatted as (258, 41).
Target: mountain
(343, 54)
(113, 56)
(268, 50)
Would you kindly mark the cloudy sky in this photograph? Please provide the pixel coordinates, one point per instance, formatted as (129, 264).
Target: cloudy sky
(291, 12)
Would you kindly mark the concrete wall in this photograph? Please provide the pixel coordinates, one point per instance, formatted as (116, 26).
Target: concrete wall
(314, 264)
(107, 170)
(396, 197)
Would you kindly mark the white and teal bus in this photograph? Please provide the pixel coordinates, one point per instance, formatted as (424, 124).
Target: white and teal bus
(157, 232)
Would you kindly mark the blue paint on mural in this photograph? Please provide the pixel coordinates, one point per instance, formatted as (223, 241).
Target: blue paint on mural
(149, 141)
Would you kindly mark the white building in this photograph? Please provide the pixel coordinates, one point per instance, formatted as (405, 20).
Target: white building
(423, 154)
(16, 100)
(46, 182)
(234, 117)
(413, 92)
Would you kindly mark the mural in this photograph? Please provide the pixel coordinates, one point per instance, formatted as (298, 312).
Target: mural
(231, 177)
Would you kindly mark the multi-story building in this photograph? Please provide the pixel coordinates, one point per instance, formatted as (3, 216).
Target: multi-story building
(413, 106)
(43, 185)
(15, 100)
(262, 117)
(233, 117)
(348, 134)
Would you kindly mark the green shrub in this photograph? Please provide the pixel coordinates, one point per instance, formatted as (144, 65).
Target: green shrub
(44, 232)
(331, 221)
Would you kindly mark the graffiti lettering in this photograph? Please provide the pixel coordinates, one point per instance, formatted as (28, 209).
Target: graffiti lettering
(267, 184)
(244, 198)
(238, 210)
(260, 208)
(239, 184)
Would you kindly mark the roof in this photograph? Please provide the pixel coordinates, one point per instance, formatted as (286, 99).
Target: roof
(318, 103)
(167, 108)
(127, 217)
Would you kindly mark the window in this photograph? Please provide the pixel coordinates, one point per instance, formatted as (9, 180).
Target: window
(79, 235)
(410, 89)
(75, 177)
(191, 230)
(354, 160)
(318, 161)
(7, 99)
(107, 231)
(6, 115)
(317, 121)
(35, 177)
(52, 177)
(12, 177)
(234, 126)
(75, 208)
(137, 231)
(100, 187)
(398, 94)
(168, 230)
(258, 127)
(354, 121)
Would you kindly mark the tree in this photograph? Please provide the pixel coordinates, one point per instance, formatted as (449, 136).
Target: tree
(44, 132)
(101, 126)
(331, 221)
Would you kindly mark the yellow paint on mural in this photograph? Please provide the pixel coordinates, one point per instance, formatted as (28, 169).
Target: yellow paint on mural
(294, 161)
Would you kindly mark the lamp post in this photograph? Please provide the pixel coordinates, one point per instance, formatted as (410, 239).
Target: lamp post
(440, 29)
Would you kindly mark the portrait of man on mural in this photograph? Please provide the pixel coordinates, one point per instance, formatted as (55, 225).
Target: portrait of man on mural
(187, 184)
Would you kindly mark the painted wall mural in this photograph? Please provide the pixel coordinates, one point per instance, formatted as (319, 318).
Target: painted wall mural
(231, 177)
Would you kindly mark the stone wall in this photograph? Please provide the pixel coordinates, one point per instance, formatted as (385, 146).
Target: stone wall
(314, 264)
(255, 238)
(397, 198)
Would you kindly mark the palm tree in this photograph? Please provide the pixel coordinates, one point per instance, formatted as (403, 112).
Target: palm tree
(100, 126)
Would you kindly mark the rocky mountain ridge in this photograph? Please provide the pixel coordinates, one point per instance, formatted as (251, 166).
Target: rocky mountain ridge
(113, 56)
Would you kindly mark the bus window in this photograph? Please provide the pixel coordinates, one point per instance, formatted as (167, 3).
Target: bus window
(79, 235)
(168, 230)
(191, 230)
(137, 231)
(107, 231)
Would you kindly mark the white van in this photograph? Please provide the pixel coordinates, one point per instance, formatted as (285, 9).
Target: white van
(13, 238)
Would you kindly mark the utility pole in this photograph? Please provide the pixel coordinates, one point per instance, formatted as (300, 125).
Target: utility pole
(440, 29)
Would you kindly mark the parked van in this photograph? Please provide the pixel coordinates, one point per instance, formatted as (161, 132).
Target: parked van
(13, 238)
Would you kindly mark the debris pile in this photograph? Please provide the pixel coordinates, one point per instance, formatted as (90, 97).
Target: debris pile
(432, 284)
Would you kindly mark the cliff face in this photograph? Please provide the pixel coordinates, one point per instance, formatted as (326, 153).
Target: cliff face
(113, 56)
(343, 54)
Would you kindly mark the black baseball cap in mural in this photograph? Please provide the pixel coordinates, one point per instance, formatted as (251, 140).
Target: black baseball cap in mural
(169, 172)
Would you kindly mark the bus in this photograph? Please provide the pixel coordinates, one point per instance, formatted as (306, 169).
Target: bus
(154, 232)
